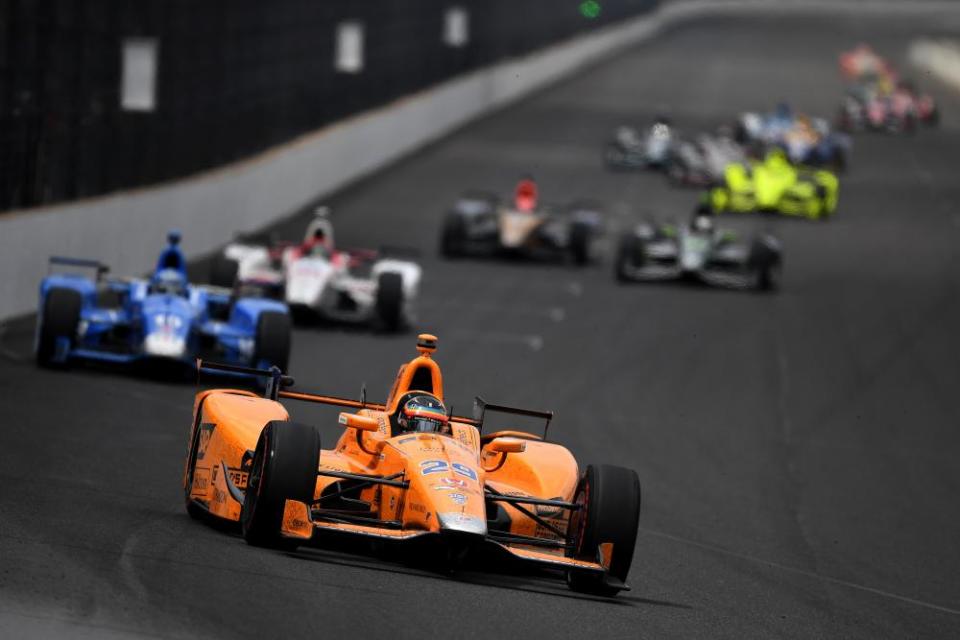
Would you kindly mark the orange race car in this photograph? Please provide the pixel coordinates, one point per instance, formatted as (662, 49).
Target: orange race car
(408, 469)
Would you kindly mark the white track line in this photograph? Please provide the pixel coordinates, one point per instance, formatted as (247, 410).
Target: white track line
(802, 572)
(556, 314)
(533, 341)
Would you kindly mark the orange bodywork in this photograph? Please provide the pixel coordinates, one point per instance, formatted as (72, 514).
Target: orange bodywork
(434, 483)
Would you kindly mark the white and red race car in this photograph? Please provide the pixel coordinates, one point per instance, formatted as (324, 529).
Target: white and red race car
(318, 280)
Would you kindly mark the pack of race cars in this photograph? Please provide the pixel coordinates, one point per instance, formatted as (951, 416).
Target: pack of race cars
(407, 469)
(878, 98)
(782, 162)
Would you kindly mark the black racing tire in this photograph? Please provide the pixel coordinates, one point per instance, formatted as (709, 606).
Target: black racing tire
(59, 318)
(629, 253)
(453, 237)
(580, 233)
(820, 192)
(284, 468)
(766, 262)
(740, 134)
(838, 160)
(610, 512)
(223, 271)
(389, 304)
(272, 340)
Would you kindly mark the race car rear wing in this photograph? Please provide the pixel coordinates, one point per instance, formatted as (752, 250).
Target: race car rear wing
(481, 407)
(83, 263)
(276, 379)
(279, 382)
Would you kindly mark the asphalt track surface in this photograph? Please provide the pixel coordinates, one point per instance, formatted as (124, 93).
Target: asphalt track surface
(798, 452)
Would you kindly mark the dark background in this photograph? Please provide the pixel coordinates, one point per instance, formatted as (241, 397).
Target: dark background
(234, 78)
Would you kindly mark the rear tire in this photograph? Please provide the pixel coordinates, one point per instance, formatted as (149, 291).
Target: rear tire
(223, 272)
(272, 342)
(610, 513)
(284, 468)
(629, 253)
(453, 237)
(389, 303)
(580, 243)
(765, 262)
(838, 161)
(59, 319)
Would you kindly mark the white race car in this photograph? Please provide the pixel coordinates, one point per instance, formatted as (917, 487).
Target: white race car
(360, 286)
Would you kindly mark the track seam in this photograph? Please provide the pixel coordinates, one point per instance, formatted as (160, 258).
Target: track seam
(801, 572)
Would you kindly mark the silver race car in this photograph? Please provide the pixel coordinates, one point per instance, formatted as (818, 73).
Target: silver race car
(700, 162)
(697, 251)
(356, 286)
(650, 148)
(479, 223)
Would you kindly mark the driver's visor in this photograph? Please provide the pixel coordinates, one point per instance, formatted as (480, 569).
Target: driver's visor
(426, 413)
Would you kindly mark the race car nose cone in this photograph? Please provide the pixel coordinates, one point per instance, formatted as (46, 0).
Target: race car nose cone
(164, 345)
(462, 523)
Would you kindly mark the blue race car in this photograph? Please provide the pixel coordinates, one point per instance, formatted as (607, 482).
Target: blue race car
(805, 140)
(164, 318)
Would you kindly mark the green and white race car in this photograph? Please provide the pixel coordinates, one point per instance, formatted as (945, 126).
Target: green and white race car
(698, 252)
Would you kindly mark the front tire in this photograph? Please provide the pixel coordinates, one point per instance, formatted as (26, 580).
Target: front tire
(272, 341)
(60, 319)
(284, 468)
(610, 512)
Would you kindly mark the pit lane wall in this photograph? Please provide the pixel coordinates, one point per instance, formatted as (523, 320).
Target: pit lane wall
(125, 230)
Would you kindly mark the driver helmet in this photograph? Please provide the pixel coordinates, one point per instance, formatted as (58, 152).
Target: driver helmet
(168, 281)
(702, 222)
(421, 412)
(525, 196)
(784, 111)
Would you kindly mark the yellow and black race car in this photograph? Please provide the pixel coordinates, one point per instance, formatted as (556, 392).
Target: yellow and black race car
(775, 185)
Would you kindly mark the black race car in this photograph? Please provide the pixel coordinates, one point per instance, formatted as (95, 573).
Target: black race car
(481, 224)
